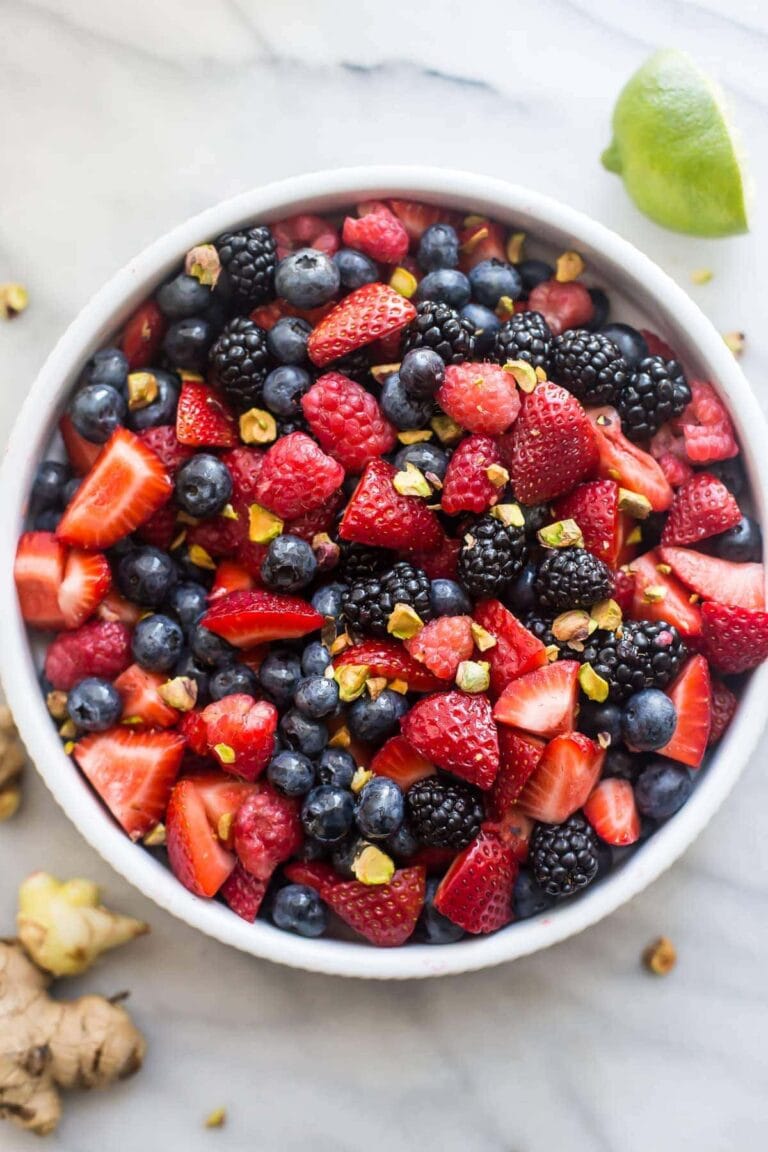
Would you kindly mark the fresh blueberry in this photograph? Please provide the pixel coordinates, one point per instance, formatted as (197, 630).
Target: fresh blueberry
(188, 666)
(188, 570)
(536, 517)
(211, 650)
(327, 600)
(400, 408)
(96, 411)
(662, 788)
(94, 705)
(596, 718)
(187, 602)
(649, 720)
(290, 773)
(71, 489)
(528, 899)
(380, 808)
(731, 473)
(307, 278)
(521, 597)
(284, 388)
(327, 813)
(447, 285)
(162, 410)
(313, 850)
(402, 843)
(186, 343)
(447, 598)
(374, 720)
(287, 340)
(233, 680)
(534, 272)
(183, 297)
(427, 457)
(629, 342)
(622, 763)
(157, 642)
(317, 696)
(146, 576)
(743, 543)
(315, 658)
(48, 520)
(303, 733)
(355, 269)
(601, 307)
(438, 248)
(336, 766)
(279, 675)
(203, 485)
(492, 279)
(298, 909)
(289, 564)
(49, 485)
(433, 927)
(345, 853)
(485, 323)
(107, 366)
(422, 372)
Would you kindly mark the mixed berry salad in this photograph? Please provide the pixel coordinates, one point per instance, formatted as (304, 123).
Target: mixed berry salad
(391, 584)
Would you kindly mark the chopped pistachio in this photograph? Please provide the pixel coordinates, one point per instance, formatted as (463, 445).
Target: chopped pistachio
(180, 693)
(606, 615)
(328, 631)
(183, 517)
(217, 1118)
(13, 300)
(229, 513)
(561, 534)
(473, 675)
(482, 638)
(553, 653)
(604, 739)
(592, 685)
(56, 703)
(515, 247)
(326, 551)
(634, 503)
(572, 625)
(375, 686)
(660, 956)
(505, 308)
(694, 598)
(188, 377)
(372, 866)
(635, 535)
(360, 779)
(540, 373)
(341, 642)
(510, 515)
(179, 539)
(341, 738)
(473, 220)
(735, 341)
(132, 721)
(201, 558)
(665, 569)
(224, 826)
(69, 748)
(411, 482)
(404, 622)
(446, 430)
(351, 680)
(68, 731)
(263, 525)
(497, 475)
(523, 373)
(257, 426)
(155, 838)
(654, 593)
(569, 267)
(380, 372)
(142, 390)
(481, 232)
(225, 753)
(701, 276)
(404, 282)
(399, 686)
(204, 264)
(415, 436)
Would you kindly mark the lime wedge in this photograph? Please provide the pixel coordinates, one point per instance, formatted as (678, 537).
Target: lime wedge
(673, 148)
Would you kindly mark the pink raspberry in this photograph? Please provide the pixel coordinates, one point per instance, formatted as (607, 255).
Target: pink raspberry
(100, 648)
(480, 397)
(267, 830)
(562, 305)
(442, 644)
(379, 234)
(347, 421)
(297, 476)
(244, 465)
(467, 487)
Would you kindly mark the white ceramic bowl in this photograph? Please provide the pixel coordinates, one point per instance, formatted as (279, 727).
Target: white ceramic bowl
(638, 289)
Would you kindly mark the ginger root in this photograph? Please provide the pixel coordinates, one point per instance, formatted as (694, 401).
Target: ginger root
(44, 1045)
(13, 757)
(63, 926)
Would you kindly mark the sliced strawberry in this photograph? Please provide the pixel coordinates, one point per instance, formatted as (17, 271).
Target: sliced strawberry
(476, 891)
(141, 699)
(203, 418)
(659, 595)
(734, 639)
(240, 732)
(39, 572)
(222, 796)
(624, 462)
(415, 216)
(230, 577)
(442, 562)
(624, 590)
(399, 760)
(243, 893)
(564, 778)
(304, 231)
(738, 585)
(385, 914)
(133, 773)
(657, 346)
(363, 316)
(551, 447)
(389, 658)
(595, 508)
(87, 579)
(456, 732)
(116, 607)
(708, 433)
(126, 485)
(612, 812)
(724, 704)
(514, 829)
(378, 515)
(193, 728)
(314, 873)
(542, 701)
(562, 305)
(82, 454)
(702, 507)
(519, 756)
(249, 618)
(691, 694)
(480, 240)
(143, 335)
(516, 651)
(196, 855)
(434, 861)
(97, 648)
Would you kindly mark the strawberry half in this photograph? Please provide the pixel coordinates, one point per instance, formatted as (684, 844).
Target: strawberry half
(196, 855)
(519, 756)
(378, 515)
(87, 579)
(563, 306)
(389, 658)
(230, 577)
(415, 216)
(624, 462)
(612, 812)
(385, 914)
(243, 893)
(133, 773)
(203, 417)
(399, 761)
(564, 778)
(39, 572)
(476, 891)
(249, 618)
(595, 508)
(551, 447)
(516, 651)
(240, 733)
(724, 704)
(542, 701)
(734, 639)
(659, 595)
(82, 454)
(142, 701)
(125, 486)
(691, 694)
(702, 507)
(363, 316)
(737, 585)
(514, 829)
(143, 335)
(456, 732)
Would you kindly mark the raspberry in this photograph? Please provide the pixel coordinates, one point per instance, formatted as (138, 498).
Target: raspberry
(562, 305)
(163, 442)
(442, 644)
(379, 234)
(466, 487)
(267, 830)
(101, 648)
(297, 476)
(347, 421)
(219, 536)
(304, 231)
(480, 397)
(316, 520)
(244, 465)
(160, 529)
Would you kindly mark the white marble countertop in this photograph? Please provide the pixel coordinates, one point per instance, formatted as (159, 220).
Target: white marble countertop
(119, 120)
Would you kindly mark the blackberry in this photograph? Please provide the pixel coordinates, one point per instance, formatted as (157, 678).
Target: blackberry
(368, 604)
(356, 365)
(572, 578)
(584, 652)
(564, 857)
(444, 814)
(656, 392)
(525, 336)
(641, 654)
(589, 365)
(287, 424)
(239, 362)
(439, 327)
(250, 258)
(491, 556)
(359, 562)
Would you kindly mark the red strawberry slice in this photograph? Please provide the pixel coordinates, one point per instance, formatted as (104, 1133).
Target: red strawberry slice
(434, 861)
(702, 507)
(164, 443)
(564, 779)
(624, 462)
(440, 564)
(39, 571)
(304, 231)
(385, 914)
(691, 694)
(708, 433)
(243, 893)
(738, 585)
(415, 216)
(314, 873)
(516, 652)
(143, 335)
(658, 595)
(624, 590)
(734, 639)
(82, 454)
(456, 732)
(612, 812)
(724, 704)
(442, 644)
(514, 829)
(133, 773)
(230, 577)
(595, 508)
(267, 831)
(249, 618)
(481, 240)
(98, 648)
(657, 346)
(389, 658)
(519, 756)
(476, 891)
(562, 305)
(297, 476)
(142, 700)
(378, 515)
(196, 855)
(194, 730)
(222, 795)
(347, 421)
(125, 486)
(379, 234)
(203, 417)
(116, 607)
(240, 732)
(543, 701)
(363, 316)
(467, 487)
(399, 761)
(87, 579)
(551, 447)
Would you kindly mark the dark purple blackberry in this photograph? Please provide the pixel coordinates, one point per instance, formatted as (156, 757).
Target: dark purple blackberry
(356, 365)
(249, 258)
(564, 857)
(571, 578)
(368, 604)
(288, 424)
(589, 365)
(654, 394)
(444, 814)
(239, 362)
(439, 327)
(640, 654)
(525, 336)
(492, 555)
(359, 562)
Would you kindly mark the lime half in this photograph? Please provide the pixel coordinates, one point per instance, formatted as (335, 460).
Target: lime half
(673, 148)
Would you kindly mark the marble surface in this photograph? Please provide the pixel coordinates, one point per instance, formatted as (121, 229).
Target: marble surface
(118, 120)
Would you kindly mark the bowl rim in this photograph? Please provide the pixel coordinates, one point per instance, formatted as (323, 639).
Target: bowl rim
(102, 315)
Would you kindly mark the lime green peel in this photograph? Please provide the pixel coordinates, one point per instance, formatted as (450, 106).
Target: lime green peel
(674, 149)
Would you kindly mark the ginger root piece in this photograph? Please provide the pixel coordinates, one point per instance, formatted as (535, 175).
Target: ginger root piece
(63, 926)
(45, 1045)
(13, 757)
